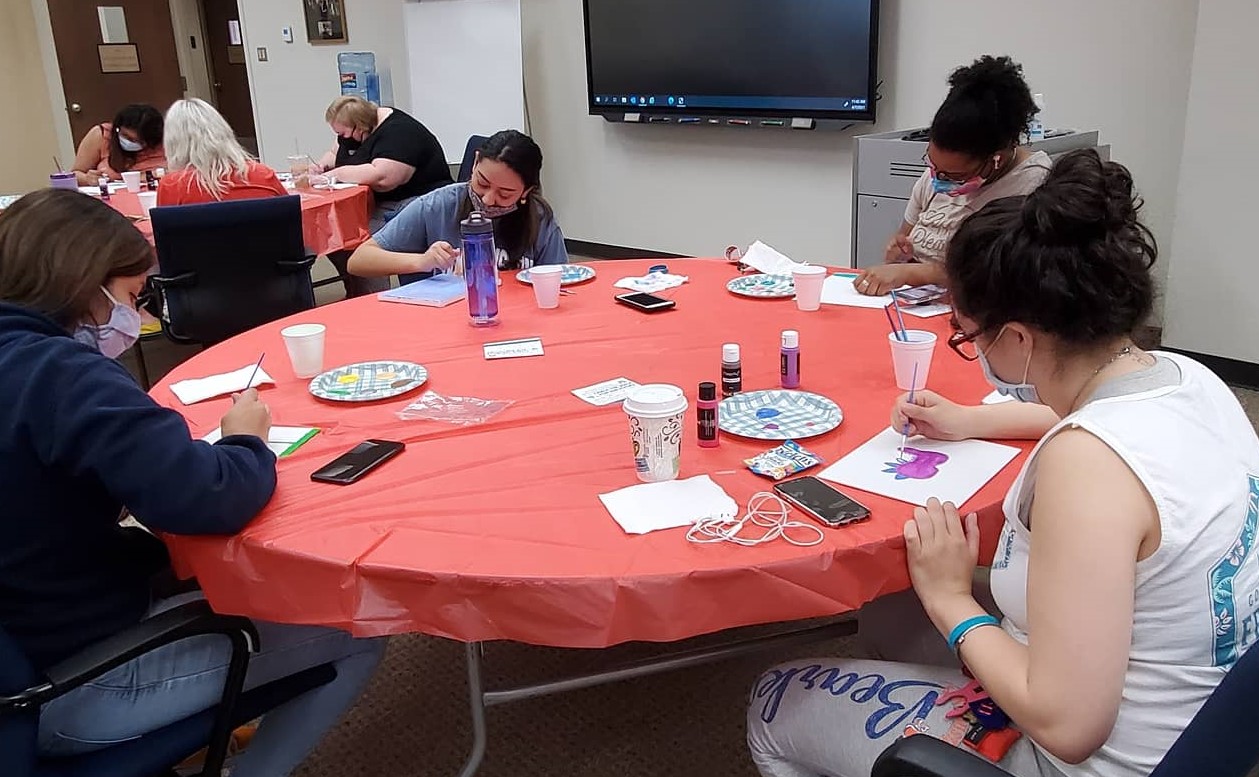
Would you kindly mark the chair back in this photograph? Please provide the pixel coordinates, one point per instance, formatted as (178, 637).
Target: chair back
(469, 156)
(1220, 739)
(227, 267)
(18, 727)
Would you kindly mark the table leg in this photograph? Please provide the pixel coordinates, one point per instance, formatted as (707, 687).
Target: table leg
(476, 702)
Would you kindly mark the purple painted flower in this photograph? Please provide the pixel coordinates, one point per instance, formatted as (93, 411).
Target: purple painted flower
(918, 465)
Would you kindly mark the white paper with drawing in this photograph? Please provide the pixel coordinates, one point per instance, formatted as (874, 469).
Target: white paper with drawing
(950, 471)
(838, 290)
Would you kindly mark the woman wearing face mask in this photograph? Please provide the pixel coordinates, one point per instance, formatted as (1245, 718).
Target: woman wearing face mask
(389, 151)
(132, 141)
(973, 156)
(505, 182)
(81, 442)
(1126, 569)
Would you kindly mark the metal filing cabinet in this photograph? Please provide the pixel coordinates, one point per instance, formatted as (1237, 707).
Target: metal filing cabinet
(887, 164)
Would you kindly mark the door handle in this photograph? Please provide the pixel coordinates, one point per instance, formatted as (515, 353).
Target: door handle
(218, 84)
(76, 108)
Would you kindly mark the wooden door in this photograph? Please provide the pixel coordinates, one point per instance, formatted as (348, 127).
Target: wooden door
(227, 65)
(93, 96)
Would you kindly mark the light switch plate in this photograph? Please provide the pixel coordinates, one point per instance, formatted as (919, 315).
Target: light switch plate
(262, 53)
(286, 33)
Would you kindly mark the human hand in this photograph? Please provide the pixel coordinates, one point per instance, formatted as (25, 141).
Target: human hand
(249, 415)
(876, 281)
(931, 415)
(943, 550)
(900, 249)
(439, 256)
(88, 177)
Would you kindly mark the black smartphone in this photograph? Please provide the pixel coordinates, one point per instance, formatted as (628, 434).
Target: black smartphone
(921, 295)
(822, 501)
(357, 462)
(648, 303)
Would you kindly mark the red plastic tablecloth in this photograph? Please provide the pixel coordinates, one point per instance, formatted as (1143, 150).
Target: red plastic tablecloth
(331, 220)
(496, 531)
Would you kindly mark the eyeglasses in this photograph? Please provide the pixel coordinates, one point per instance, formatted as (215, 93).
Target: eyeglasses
(963, 344)
(955, 177)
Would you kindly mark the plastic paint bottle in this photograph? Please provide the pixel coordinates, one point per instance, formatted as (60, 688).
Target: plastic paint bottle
(104, 184)
(731, 370)
(789, 359)
(709, 432)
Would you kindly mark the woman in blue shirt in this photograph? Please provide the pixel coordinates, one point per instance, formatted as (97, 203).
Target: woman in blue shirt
(504, 186)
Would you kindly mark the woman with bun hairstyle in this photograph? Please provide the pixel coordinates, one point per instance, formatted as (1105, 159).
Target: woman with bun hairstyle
(1125, 574)
(974, 156)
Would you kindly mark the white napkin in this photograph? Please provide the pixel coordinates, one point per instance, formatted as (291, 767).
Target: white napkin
(196, 390)
(652, 282)
(761, 257)
(668, 505)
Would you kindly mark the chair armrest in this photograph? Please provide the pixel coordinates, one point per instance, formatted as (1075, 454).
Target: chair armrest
(295, 266)
(189, 620)
(922, 755)
(183, 279)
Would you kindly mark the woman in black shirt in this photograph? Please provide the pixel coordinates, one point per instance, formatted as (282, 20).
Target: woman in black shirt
(389, 151)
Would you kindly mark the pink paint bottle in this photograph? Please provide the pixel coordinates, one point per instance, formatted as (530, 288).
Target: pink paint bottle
(789, 359)
(709, 433)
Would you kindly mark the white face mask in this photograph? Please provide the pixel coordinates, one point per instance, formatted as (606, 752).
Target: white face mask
(129, 145)
(1023, 392)
(116, 335)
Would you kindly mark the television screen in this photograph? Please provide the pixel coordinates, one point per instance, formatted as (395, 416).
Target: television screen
(764, 58)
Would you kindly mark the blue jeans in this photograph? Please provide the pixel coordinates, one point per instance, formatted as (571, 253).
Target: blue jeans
(186, 677)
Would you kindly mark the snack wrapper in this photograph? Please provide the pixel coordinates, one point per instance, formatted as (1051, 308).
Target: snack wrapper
(787, 459)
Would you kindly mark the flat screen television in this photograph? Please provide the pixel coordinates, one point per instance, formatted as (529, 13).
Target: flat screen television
(688, 59)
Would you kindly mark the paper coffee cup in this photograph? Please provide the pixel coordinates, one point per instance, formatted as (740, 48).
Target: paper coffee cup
(656, 412)
(546, 281)
(911, 358)
(133, 179)
(304, 342)
(809, 280)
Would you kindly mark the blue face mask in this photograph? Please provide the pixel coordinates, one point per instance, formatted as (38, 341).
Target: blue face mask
(117, 334)
(129, 145)
(1023, 392)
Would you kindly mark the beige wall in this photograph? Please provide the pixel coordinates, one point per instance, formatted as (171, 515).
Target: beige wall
(28, 143)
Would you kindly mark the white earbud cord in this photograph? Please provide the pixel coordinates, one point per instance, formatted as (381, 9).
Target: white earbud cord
(771, 518)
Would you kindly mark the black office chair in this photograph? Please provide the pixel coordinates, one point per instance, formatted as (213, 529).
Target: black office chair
(23, 690)
(1219, 741)
(469, 156)
(227, 267)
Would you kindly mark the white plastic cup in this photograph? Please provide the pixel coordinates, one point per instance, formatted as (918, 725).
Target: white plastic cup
(809, 280)
(546, 281)
(133, 179)
(148, 201)
(657, 413)
(911, 358)
(304, 343)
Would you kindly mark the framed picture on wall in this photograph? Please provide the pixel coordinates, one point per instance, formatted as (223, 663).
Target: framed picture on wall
(325, 21)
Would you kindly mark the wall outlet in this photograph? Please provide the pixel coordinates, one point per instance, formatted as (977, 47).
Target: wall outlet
(286, 33)
(262, 53)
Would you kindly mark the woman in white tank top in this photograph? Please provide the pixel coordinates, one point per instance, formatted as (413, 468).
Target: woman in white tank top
(1126, 570)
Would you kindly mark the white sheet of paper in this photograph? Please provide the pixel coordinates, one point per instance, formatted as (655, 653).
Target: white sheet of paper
(605, 393)
(513, 349)
(668, 505)
(196, 390)
(279, 439)
(926, 311)
(765, 259)
(964, 469)
(838, 290)
(997, 398)
(652, 282)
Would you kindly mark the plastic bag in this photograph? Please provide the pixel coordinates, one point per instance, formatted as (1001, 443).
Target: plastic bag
(461, 411)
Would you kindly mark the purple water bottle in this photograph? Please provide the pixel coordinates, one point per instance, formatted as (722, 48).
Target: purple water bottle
(480, 261)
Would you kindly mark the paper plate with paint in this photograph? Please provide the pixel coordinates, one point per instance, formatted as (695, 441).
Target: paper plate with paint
(763, 286)
(368, 381)
(779, 415)
(572, 274)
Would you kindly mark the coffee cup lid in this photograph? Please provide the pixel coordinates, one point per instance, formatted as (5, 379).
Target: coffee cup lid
(655, 400)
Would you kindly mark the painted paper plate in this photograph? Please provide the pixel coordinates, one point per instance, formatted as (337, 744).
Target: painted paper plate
(368, 381)
(763, 286)
(779, 415)
(573, 273)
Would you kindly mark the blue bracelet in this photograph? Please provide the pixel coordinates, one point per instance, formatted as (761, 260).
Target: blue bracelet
(960, 631)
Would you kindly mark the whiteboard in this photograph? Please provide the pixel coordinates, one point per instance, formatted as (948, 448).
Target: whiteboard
(467, 72)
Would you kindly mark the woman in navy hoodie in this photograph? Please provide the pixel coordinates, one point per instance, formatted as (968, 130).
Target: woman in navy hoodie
(80, 443)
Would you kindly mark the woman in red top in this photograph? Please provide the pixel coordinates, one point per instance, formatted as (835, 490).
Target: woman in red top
(206, 162)
(132, 141)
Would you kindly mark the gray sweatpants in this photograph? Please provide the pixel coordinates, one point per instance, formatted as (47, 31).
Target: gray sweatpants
(833, 717)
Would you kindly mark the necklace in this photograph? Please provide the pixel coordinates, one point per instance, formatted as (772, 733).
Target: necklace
(1125, 351)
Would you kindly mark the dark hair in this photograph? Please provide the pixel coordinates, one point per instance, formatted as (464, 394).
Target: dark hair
(1070, 259)
(146, 121)
(988, 108)
(517, 232)
(58, 247)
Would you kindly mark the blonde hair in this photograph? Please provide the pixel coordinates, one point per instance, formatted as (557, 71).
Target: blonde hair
(198, 137)
(354, 111)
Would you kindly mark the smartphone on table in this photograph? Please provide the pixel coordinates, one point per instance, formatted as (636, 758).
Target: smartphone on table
(823, 501)
(921, 295)
(357, 462)
(648, 303)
